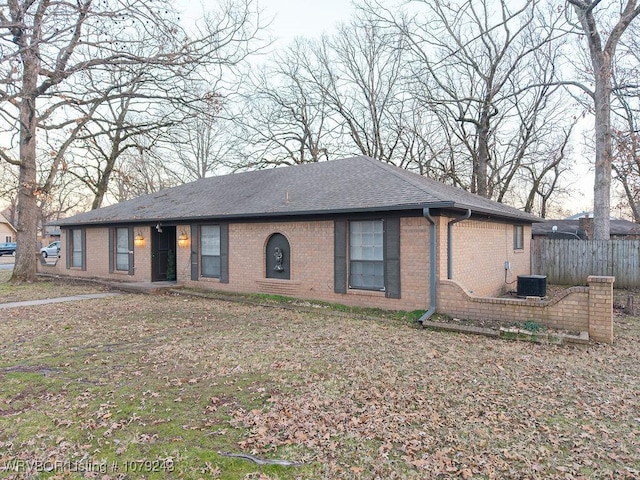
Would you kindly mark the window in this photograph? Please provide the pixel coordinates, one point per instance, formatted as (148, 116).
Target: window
(7, 239)
(210, 251)
(366, 255)
(518, 237)
(76, 248)
(122, 249)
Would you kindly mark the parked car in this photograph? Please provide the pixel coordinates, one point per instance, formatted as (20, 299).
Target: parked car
(53, 249)
(8, 248)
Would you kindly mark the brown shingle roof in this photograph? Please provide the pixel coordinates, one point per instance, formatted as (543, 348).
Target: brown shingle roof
(357, 184)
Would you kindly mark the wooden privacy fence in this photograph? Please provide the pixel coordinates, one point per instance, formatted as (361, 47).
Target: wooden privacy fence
(570, 262)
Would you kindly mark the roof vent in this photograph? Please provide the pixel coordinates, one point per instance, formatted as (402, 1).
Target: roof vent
(532, 285)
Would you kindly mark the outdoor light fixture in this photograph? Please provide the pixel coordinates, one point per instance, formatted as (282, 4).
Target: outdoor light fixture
(183, 240)
(138, 240)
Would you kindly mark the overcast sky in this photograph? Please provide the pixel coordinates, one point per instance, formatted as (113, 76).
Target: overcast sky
(288, 18)
(293, 18)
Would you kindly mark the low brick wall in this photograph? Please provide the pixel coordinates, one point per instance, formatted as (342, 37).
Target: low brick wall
(579, 309)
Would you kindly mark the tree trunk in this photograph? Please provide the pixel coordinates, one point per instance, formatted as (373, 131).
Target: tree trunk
(483, 155)
(27, 207)
(103, 182)
(602, 183)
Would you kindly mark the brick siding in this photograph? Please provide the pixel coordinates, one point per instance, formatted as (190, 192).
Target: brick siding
(311, 264)
(479, 251)
(97, 258)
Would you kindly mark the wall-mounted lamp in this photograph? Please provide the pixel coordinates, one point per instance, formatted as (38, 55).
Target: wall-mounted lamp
(183, 240)
(138, 240)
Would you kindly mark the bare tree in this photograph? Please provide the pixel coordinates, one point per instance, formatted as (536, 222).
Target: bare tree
(343, 93)
(49, 45)
(477, 65)
(626, 124)
(602, 54)
(130, 106)
(360, 74)
(141, 171)
(426, 147)
(626, 152)
(544, 175)
(204, 143)
(286, 118)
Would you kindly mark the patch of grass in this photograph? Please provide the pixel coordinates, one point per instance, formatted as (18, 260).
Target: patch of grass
(5, 276)
(43, 288)
(271, 299)
(532, 326)
(173, 380)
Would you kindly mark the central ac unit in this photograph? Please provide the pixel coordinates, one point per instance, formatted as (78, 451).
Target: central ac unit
(532, 285)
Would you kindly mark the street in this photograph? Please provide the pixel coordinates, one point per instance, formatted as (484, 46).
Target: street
(6, 262)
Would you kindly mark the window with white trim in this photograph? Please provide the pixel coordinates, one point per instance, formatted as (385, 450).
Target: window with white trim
(210, 251)
(366, 254)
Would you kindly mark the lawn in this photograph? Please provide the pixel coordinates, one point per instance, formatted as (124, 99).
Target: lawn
(158, 386)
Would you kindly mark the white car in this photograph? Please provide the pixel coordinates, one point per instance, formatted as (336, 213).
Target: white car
(53, 249)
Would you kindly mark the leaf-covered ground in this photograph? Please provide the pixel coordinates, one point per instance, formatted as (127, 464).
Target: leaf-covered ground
(153, 387)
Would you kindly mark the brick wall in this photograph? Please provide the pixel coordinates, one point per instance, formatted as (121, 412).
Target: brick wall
(311, 264)
(97, 258)
(601, 308)
(480, 250)
(579, 309)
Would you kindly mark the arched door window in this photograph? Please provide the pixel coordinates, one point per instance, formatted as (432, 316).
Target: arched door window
(278, 257)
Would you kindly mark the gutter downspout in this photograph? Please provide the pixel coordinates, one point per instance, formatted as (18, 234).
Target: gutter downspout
(450, 240)
(432, 266)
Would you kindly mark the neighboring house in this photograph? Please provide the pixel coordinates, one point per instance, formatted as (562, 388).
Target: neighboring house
(355, 231)
(582, 228)
(50, 234)
(7, 231)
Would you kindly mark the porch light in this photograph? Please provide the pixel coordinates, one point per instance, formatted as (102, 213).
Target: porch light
(138, 240)
(183, 240)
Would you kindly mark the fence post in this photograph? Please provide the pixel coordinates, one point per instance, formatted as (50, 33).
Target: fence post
(601, 308)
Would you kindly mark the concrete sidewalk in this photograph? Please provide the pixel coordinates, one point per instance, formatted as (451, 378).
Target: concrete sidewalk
(46, 301)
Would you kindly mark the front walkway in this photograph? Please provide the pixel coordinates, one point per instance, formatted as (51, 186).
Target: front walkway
(46, 301)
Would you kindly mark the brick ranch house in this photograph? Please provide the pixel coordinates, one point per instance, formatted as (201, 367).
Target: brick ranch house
(355, 231)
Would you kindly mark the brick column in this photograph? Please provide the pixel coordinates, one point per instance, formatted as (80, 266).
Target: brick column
(601, 308)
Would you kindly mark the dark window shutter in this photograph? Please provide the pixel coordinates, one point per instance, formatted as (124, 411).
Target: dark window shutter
(84, 248)
(68, 249)
(195, 242)
(392, 257)
(131, 250)
(224, 253)
(340, 256)
(112, 234)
